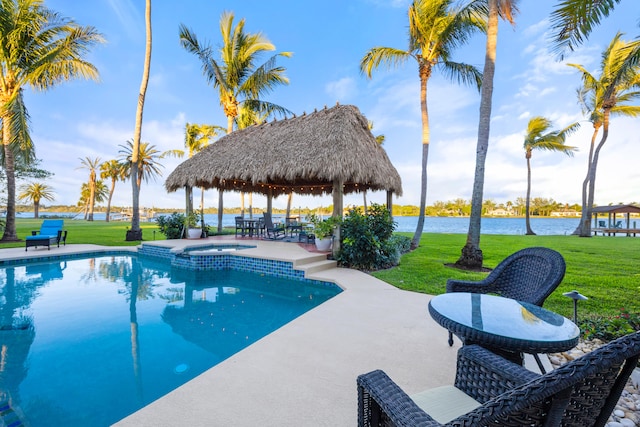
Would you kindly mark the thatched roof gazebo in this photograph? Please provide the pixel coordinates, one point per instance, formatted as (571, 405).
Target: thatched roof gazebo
(331, 151)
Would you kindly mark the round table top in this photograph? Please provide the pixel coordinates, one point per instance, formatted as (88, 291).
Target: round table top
(504, 323)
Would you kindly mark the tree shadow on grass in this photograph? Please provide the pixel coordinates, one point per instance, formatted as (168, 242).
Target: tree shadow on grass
(462, 268)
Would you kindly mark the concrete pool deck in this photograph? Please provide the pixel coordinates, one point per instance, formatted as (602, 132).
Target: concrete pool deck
(304, 374)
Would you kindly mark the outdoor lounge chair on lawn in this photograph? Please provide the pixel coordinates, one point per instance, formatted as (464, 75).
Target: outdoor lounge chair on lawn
(273, 232)
(50, 233)
(490, 390)
(529, 275)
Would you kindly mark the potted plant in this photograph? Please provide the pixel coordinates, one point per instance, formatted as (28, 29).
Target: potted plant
(323, 230)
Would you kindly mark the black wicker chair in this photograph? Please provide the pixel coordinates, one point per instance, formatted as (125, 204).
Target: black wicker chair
(529, 275)
(582, 392)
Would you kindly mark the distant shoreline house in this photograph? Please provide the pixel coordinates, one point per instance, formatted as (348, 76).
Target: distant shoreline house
(499, 212)
(565, 213)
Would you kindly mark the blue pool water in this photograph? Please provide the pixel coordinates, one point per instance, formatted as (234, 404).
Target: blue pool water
(85, 342)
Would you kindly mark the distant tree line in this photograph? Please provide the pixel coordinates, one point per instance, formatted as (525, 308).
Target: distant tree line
(539, 206)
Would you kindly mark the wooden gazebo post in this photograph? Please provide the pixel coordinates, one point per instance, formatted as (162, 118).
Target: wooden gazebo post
(269, 200)
(337, 194)
(390, 202)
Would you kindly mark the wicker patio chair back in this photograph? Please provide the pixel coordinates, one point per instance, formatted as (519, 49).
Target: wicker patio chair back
(581, 393)
(529, 275)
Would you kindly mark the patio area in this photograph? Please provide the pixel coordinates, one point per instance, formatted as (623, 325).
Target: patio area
(304, 374)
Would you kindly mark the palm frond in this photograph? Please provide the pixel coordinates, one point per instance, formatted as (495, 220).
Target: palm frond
(18, 119)
(172, 153)
(537, 139)
(390, 57)
(573, 20)
(626, 110)
(266, 109)
(462, 73)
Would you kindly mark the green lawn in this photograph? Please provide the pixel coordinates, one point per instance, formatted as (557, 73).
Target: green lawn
(605, 269)
(95, 232)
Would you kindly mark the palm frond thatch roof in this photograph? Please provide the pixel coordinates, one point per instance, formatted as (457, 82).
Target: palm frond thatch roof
(304, 155)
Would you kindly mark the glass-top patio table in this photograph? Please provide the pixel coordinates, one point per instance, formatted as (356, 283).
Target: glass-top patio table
(504, 325)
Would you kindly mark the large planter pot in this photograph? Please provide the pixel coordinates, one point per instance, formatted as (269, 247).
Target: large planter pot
(194, 233)
(323, 244)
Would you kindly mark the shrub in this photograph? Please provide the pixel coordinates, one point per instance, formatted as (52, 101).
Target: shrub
(366, 241)
(610, 328)
(403, 243)
(171, 225)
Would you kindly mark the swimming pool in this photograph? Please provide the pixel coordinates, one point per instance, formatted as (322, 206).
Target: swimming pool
(89, 341)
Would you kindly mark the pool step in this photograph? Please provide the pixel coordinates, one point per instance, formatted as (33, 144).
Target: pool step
(315, 266)
(8, 416)
(310, 259)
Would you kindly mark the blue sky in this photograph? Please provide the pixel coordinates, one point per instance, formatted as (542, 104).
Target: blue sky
(328, 38)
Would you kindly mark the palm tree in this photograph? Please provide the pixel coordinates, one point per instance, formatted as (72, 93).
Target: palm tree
(115, 171)
(100, 193)
(471, 256)
(136, 233)
(39, 48)
(238, 79)
(435, 30)
(573, 20)
(602, 97)
(196, 138)
(539, 137)
(92, 165)
(148, 165)
(35, 192)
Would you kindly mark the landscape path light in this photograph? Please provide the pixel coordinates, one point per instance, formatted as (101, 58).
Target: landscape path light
(575, 296)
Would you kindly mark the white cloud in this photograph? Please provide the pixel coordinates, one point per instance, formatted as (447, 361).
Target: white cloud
(129, 18)
(342, 90)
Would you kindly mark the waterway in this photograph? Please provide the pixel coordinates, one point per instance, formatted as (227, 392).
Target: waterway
(451, 225)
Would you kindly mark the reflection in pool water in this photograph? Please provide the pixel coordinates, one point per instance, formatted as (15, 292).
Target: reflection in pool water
(89, 341)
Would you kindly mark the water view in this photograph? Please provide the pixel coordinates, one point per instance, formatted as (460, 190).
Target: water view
(453, 225)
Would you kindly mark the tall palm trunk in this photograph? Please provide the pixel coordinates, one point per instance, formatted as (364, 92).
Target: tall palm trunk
(527, 202)
(471, 253)
(221, 192)
(135, 172)
(425, 73)
(586, 225)
(9, 234)
(584, 217)
(113, 187)
(36, 208)
(92, 196)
